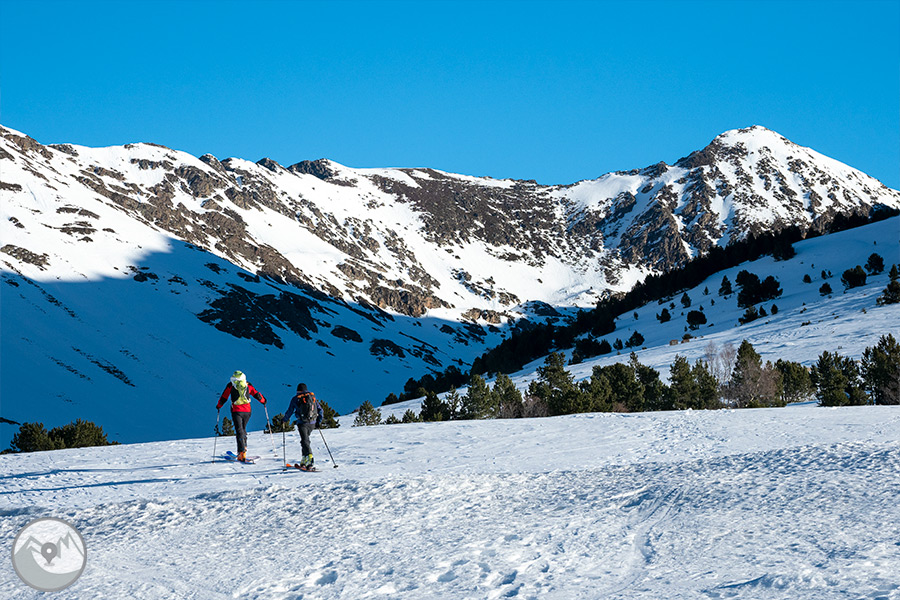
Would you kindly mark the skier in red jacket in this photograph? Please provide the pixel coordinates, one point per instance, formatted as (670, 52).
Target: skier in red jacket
(239, 391)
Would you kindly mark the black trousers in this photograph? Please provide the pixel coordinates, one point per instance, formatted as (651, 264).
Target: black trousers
(240, 429)
(305, 430)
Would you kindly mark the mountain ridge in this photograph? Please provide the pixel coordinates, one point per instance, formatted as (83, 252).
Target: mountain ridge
(137, 264)
(617, 228)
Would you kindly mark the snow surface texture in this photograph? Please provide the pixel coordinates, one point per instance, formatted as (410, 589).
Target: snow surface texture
(792, 503)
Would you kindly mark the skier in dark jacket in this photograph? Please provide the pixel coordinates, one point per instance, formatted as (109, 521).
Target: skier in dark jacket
(239, 390)
(309, 416)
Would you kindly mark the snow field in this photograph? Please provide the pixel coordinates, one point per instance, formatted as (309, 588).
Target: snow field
(776, 503)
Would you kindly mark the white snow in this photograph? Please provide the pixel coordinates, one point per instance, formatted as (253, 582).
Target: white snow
(793, 503)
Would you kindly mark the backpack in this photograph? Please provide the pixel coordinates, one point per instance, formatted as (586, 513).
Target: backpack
(239, 393)
(308, 407)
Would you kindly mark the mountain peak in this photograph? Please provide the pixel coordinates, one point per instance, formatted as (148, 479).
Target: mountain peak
(254, 260)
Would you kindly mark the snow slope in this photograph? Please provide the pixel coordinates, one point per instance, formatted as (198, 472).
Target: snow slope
(806, 324)
(352, 280)
(792, 503)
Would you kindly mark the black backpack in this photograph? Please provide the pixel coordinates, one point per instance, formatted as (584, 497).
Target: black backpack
(308, 407)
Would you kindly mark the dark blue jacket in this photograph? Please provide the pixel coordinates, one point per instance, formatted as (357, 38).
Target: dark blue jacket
(297, 407)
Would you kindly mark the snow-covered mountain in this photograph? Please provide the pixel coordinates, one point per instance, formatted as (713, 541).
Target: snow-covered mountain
(137, 278)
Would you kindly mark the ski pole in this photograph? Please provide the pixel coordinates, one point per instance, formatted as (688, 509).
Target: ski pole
(216, 439)
(283, 449)
(327, 448)
(271, 433)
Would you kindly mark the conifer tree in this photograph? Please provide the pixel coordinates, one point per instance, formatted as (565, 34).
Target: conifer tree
(796, 384)
(329, 416)
(80, 434)
(783, 249)
(635, 340)
(509, 399)
(708, 397)
(367, 415)
(750, 315)
(830, 381)
(453, 402)
(433, 409)
(227, 427)
(725, 288)
(875, 264)
(478, 402)
(556, 386)
(655, 392)
(410, 417)
(754, 291)
(597, 391)
(627, 391)
(695, 319)
(392, 420)
(32, 437)
(837, 381)
(854, 277)
(753, 384)
(682, 387)
(891, 293)
(279, 424)
(554, 373)
(880, 366)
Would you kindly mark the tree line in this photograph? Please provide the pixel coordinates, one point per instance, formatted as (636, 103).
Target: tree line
(34, 437)
(724, 378)
(529, 341)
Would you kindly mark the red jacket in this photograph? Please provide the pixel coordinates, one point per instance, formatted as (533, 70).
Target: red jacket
(231, 392)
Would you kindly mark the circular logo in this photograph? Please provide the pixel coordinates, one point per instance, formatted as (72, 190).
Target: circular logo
(49, 554)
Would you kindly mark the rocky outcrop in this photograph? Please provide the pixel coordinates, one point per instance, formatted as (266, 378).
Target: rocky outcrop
(26, 256)
(316, 168)
(654, 218)
(243, 314)
(345, 333)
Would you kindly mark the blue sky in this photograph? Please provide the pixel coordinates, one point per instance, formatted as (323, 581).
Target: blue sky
(552, 91)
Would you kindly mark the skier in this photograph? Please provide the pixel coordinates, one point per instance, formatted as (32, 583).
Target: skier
(309, 416)
(240, 390)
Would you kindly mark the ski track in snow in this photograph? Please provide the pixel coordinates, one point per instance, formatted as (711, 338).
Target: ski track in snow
(779, 503)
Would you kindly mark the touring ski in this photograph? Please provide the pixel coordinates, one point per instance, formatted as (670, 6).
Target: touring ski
(299, 467)
(232, 457)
